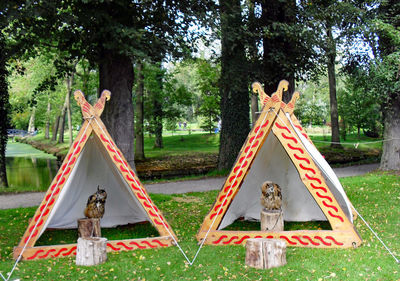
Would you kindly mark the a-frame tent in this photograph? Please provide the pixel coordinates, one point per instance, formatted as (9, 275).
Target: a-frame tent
(92, 160)
(279, 150)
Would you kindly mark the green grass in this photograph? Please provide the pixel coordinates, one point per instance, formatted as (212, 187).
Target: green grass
(365, 143)
(17, 149)
(376, 197)
(182, 144)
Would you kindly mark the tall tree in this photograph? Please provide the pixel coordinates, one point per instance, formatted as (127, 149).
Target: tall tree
(139, 127)
(233, 84)
(331, 62)
(388, 74)
(332, 22)
(4, 109)
(115, 34)
(382, 74)
(286, 42)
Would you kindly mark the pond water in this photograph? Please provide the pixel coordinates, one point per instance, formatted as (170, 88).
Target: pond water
(29, 167)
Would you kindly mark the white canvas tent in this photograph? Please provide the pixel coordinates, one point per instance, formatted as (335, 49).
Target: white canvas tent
(93, 160)
(278, 150)
(273, 163)
(94, 167)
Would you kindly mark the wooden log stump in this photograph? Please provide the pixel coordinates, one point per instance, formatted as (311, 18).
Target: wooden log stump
(91, 251)
(271, 220)
(264, 253)
(89, 228)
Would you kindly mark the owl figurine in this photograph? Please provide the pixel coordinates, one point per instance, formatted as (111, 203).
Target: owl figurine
(95, 206)
(271, 196)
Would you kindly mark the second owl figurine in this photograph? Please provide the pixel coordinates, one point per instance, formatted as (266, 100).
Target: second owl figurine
(271, 196)
(95, 206)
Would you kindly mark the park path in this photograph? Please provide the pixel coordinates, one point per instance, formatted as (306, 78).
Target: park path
(34, 198)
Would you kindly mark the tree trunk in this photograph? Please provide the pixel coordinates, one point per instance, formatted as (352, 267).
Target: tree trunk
(47, 129)
(117, 76)
(55, 128)
(331, 56)
(139, 131)
(88, 228)
(265, 253)
(31, 126)
(390, 159)
(91, 251)
(70, 81)
(4, 113)
(158, 114)
(271, 220)
(233, 85)
(61, 126)
(157, 120)
(344, 131)
(254, 109)
(276, 65)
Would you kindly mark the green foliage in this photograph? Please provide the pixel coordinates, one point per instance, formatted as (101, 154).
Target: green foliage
(207, 84)
(312, 107)
(384, 77)
(28, 90)
(132, 29)
(173, 97)
(359, 108)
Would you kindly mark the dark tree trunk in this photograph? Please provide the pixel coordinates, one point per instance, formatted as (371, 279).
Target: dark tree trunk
(55, 128)
(61, 125)
(331, 56)
(70, 81)
(139, 132)
(157, 121)
(254, 108)
(233, 85)
(390, 159)
(344, 131)
(31, 126)
(158, 113)
(47, 129)
(4, 113)
(117, 75)
(274, 67)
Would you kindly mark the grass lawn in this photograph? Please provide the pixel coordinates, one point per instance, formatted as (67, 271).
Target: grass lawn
(200, 142)
(376, 196)
(182, 144)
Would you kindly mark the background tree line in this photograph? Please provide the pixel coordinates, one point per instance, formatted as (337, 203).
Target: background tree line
(126, 47)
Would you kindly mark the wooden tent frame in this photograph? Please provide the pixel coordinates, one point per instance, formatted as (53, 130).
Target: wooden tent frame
(272, 117)
(92, 125)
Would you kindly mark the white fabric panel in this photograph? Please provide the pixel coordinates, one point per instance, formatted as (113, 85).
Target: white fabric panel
(329, 175)
(272, 163)
(94, 167)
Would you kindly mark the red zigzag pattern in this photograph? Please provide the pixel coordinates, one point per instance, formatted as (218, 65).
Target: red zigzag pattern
(292, 240)
(299, 154)
(135, 184)
(238, 170)
(60, 180)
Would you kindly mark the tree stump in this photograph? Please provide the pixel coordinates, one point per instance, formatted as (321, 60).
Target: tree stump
(89, 228)
(271, 220)
(91, 251)
(264, 253)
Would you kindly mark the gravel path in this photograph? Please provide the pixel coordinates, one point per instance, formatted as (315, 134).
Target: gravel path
(34, 198)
